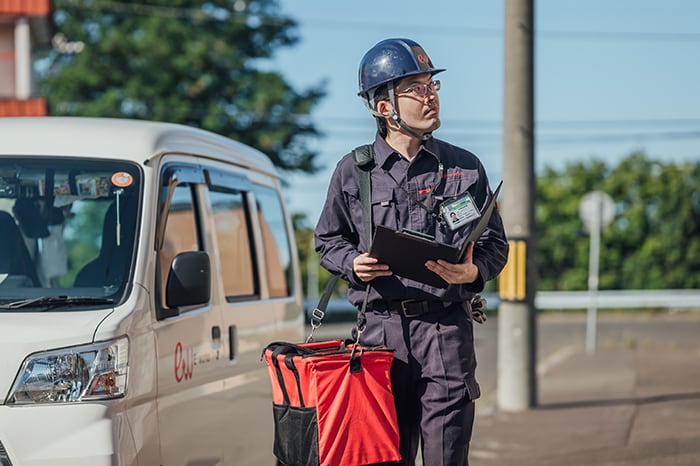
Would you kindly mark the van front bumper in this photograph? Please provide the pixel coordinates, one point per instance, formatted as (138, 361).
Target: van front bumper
(65, 435)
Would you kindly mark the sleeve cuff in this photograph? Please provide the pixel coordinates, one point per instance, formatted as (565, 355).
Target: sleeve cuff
(477, 285)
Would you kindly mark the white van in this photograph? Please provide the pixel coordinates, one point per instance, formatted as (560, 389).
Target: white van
(143, 268)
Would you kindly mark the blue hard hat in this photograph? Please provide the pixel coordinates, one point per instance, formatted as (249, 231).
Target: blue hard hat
(393, 59)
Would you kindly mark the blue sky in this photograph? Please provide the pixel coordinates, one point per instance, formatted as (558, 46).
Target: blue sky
(611, 77)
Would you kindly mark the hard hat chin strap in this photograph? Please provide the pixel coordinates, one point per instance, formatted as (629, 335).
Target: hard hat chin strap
(370, 103)
(397, 117)
(408, 129)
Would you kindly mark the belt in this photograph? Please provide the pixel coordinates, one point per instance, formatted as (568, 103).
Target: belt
(410, 307)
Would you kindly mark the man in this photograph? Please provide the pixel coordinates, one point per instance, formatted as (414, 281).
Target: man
(413, 176)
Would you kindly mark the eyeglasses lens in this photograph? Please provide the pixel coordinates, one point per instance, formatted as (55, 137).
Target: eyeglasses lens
(424, 89)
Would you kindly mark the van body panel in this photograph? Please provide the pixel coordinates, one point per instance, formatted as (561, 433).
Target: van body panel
(25, 333)
(63, 435)
(134, 318)
(189, 381)
(134, 140)
(246, 326)
(196, 391)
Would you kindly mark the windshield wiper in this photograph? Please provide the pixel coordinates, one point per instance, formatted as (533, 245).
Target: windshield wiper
(55, 301)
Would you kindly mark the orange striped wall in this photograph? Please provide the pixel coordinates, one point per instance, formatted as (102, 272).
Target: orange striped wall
(29, 107)
(25, 7)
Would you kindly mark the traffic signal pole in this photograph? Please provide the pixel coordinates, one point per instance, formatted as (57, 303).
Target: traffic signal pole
(517, 350)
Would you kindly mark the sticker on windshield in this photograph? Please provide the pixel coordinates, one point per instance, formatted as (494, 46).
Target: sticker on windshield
(122, 179)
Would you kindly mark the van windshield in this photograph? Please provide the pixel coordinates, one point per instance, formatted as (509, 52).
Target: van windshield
(67, 232)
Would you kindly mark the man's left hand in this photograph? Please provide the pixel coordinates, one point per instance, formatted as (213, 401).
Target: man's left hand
(455, 274)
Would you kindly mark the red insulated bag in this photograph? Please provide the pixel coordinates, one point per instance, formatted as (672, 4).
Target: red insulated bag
(332, 404)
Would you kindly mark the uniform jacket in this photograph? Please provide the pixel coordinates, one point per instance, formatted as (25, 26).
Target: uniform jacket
(407, 195)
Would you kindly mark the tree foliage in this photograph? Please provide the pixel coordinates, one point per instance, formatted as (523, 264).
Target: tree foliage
(309, 258)
(195, 62)
(653, 242)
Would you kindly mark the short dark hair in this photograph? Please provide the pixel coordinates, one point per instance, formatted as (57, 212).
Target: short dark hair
(381, 93)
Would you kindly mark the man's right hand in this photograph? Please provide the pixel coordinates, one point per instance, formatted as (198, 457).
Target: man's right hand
(367, 268)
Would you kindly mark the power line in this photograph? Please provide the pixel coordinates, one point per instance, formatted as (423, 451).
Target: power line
(619, 35)
(542, 137)
(363, 25)
(335, 24)
(345, 120)
(622, 122)
(237, 12)
(646, 136)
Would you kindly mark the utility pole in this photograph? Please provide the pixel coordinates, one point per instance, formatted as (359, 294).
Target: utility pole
(517, 351)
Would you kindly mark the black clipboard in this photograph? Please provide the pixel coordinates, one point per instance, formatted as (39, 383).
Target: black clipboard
(406, 252)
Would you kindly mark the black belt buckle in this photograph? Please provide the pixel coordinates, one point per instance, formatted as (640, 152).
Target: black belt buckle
(414, 308)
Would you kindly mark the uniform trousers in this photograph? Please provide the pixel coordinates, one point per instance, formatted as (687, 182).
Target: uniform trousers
(433, 380)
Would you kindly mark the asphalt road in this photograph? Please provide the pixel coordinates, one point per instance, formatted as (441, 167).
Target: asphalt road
(560, 334)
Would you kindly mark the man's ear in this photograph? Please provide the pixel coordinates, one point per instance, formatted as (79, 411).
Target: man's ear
(385, 108)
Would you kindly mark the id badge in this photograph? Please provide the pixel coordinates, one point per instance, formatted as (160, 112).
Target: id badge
(459, 212)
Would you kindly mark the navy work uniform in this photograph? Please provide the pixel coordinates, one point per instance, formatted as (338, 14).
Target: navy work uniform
(430, 329)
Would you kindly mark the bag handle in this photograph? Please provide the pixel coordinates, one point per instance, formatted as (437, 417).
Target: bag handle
(280, 379)
(289, 351)
(289, 362)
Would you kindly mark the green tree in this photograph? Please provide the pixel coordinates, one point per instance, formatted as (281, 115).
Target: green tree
(195, 62)
(304, 236)
(653, 242)
(562, 247)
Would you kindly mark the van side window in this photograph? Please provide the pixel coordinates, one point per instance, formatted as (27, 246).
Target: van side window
(180, 232)
(234, 240)
(275, 242)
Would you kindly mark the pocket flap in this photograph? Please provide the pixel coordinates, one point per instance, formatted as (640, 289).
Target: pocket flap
(382, 195)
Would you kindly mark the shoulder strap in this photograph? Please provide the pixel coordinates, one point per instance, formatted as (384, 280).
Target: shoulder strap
(364, 155)
(364, 159)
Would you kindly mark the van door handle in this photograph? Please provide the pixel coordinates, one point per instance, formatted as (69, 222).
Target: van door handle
(216, 336)
(232, 342)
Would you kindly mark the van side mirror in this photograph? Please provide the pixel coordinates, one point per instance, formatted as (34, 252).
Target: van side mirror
(189, 280)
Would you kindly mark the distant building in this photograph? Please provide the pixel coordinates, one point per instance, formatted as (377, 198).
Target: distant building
(25, 26)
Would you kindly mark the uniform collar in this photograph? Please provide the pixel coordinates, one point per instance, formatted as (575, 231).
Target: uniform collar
(383, 151)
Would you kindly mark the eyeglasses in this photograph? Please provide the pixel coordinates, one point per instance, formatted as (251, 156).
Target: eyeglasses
(422, 89)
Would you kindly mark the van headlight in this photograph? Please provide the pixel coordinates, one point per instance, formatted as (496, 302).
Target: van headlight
(80, 373)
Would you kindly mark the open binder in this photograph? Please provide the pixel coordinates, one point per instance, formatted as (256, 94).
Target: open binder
(406, 251)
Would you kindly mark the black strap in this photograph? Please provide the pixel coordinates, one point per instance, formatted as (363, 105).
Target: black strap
(364, 159)
(280, 379)
(289, 362)
(319, 311)
(289, 350)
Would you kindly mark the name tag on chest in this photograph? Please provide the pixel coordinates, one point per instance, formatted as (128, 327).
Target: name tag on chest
(459, 212)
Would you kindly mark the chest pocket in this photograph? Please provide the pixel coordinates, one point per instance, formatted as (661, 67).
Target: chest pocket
(384, 206)
(456, 186)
